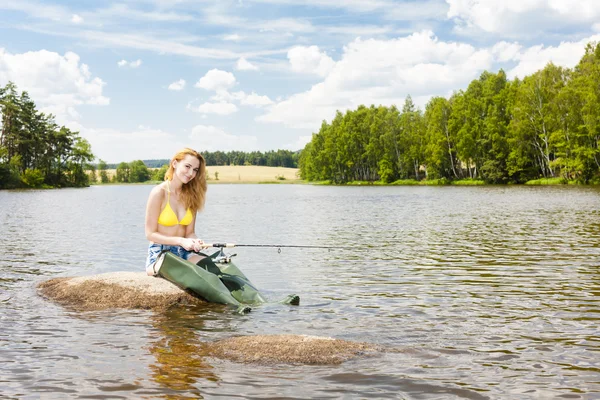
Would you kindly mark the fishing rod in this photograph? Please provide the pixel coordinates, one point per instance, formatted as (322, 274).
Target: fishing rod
(277, 246)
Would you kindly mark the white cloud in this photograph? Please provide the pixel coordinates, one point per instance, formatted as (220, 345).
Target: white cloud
(251, 99)
(220, 108)
(566, 54)
(130, 64)
(504, 51)
(310, 60)
(138, 144)
(76, 19)
(55, 83)
(177, 85)
(254, 99)
(146, 42)
(416, 10)
(211, 138)
(224, 95)
(383, 72)
(298, 144)
(521, 17)
(36, 9)
(232, 38)
(216, 79)
(244, 65)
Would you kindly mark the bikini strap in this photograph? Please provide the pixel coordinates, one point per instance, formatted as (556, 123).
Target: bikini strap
(168, 190)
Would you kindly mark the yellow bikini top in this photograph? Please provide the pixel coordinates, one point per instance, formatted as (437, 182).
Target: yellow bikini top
(168, 217)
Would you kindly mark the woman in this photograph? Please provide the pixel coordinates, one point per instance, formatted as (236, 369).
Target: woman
(172, 207)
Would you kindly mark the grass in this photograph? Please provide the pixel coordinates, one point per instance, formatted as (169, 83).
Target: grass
(251, 174)
(547, 181)
(468, 182)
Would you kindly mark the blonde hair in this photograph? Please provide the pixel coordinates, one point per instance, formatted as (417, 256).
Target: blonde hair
(193, 193)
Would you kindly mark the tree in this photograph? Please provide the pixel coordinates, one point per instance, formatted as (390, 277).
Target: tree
(122, 173)
(79, 161)
(103, 174)
(138, 172)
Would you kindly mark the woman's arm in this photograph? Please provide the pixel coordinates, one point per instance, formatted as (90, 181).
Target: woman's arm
(190, 232)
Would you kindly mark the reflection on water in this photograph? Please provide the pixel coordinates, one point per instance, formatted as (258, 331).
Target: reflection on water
(179, 352)
(479, 293)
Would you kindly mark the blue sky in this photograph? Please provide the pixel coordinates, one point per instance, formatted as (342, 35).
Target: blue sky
(139, 79)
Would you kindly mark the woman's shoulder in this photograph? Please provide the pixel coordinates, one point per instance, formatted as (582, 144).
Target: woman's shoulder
(159, 189)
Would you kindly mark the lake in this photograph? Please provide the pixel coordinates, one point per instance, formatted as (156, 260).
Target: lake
(486, 292)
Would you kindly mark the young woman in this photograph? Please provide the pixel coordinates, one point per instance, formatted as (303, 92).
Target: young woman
(172, 207)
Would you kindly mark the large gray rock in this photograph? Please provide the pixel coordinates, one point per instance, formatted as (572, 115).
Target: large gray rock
(115, 290)
(290, 349)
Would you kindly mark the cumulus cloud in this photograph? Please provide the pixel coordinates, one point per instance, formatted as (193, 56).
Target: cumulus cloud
(220, 108)
(211, 138)
(244, 65)
(383, 72)
(216, 79)
(521, 17)
(76, 19)
(243, 98)
(504, 51)
(254, 99)
(532, 59)
(299, 144)
(177, 85)
(56, 83)
(130, 64)
(310, 60)
(136, 144)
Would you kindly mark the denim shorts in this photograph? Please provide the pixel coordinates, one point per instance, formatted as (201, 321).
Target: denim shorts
(154, 249)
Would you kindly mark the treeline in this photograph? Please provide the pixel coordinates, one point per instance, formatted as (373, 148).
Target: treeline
(497, 130)
(272, 158)
(34, 150)
(132, 172)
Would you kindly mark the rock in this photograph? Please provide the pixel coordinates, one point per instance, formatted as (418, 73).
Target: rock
(115, 290)
(289, 349)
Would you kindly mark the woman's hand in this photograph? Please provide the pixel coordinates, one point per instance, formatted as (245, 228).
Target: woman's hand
(189, 244)
(192, 244)
(198, 244)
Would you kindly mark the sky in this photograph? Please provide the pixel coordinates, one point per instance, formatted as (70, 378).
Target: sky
(140, 79)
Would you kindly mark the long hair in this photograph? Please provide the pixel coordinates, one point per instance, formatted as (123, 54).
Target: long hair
(193, 193)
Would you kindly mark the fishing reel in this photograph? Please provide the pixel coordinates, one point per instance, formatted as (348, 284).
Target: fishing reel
(223, 258)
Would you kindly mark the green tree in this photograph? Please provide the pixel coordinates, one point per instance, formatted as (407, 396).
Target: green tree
(159, 173)
(138, 172)
(122, 172)
(103, 174)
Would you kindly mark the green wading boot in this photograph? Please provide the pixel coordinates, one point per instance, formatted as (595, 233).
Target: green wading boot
(188, 276)
(220, 282)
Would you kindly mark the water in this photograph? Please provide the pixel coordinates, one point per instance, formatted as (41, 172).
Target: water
(481, 293)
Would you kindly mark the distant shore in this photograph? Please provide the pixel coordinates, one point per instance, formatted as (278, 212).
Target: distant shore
(243, 174)
(220, 174)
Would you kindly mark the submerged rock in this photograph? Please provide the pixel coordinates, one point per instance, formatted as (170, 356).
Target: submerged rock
(115, 290)
(289, 349)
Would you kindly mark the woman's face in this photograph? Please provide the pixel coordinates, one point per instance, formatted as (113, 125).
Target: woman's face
(187, 169)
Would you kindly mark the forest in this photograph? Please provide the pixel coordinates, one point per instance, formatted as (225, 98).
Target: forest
(545, 126)
(34, 150)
